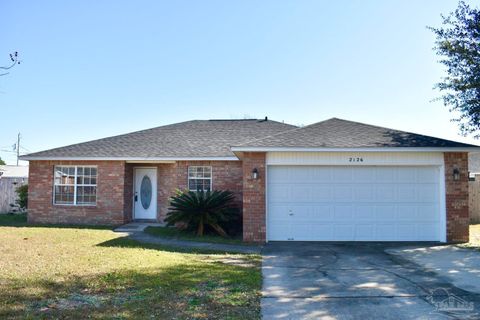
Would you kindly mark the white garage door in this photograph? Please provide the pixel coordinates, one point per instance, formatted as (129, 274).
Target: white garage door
(334, 203)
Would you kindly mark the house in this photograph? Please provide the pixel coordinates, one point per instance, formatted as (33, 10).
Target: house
(474, 164)
(334, 180)
(11, 177)
(474, 187)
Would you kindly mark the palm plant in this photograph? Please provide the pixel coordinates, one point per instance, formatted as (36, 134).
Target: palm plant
(199, 209)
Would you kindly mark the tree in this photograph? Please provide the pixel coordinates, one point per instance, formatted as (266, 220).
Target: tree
(13, 62)
(2, 163)
(22, 193)
(458, 42)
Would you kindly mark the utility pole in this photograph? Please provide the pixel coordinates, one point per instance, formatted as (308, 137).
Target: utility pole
(18, 147)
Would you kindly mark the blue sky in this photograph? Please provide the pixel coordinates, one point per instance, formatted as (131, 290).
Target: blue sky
(92, 69)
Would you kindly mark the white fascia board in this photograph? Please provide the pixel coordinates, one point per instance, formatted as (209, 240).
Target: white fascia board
(386, 149)
(130, 159)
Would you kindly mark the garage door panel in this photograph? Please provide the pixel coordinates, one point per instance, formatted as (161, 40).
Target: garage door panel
(385, 213)
(300, 193)
(344, 232)
(363, 193)
(427, 192)
(279, 192)
(407, 192)
(385, 192)
(384, 174)
(343, 213)
(319, 213)
(353, 203)
(364, 232)
(342, 193)
(365, 213)
(406, 175)
(321, 193)
(363, 175)
(341, 175)
(428, 175)
(407, 212)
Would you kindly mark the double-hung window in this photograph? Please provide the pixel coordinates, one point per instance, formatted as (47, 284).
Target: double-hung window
(75, 185)
(199, 178)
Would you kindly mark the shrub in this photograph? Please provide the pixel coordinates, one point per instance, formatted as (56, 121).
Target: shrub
(199, 210)
(22, 193)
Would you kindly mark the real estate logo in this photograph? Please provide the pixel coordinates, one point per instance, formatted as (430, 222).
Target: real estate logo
(444, 301)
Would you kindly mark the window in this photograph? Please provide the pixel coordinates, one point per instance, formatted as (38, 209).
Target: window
(75, 185)
(199, 178)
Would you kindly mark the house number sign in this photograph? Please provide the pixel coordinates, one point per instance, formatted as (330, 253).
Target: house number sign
(355, 159)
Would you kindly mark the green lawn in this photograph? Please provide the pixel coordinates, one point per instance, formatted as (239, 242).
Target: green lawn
(68, 272)
(173, 233)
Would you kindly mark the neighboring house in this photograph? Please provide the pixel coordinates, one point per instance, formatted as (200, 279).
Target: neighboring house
(474, 163)
(474, 186)
(333, 180)
(11, 177)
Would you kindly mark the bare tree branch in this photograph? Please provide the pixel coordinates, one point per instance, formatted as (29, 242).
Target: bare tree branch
(14, 61)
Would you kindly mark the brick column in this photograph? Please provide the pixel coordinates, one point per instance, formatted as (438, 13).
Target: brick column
(254, 197)
(457, 197)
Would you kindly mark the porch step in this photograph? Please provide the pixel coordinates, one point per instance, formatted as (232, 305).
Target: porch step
(137, 226)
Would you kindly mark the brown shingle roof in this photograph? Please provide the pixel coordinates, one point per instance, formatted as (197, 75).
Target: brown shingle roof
(338, 133)
(196, 138)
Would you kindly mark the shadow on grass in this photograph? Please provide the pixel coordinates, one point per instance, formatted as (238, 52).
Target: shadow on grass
(174, 233)
(126, 242)
(20, 221)
(183, 290)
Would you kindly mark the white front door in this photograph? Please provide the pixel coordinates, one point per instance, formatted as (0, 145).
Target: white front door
(145, 193)
(335, 203)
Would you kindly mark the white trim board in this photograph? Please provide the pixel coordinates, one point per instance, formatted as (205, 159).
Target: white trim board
(355, 158)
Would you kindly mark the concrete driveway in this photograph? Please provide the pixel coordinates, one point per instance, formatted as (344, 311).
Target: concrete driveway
(306, 280)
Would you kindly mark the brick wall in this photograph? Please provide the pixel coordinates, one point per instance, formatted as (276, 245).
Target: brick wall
(115, 190)
(254, 229)
(109, 209)
(226, 175)
(457, 197)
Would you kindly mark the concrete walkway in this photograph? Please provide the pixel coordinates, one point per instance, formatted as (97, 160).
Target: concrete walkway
(460, 265)
(308, 280)
(136, 232)
(137, 226)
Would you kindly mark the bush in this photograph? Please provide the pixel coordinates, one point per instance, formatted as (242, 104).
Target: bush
(22, 193)
(201, 211)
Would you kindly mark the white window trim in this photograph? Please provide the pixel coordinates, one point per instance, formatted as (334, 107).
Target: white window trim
(196, 178)
(75, 185)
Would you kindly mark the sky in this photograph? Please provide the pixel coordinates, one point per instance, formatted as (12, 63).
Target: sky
(92, 69)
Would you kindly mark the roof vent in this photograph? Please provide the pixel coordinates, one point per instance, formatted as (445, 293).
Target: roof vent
(266, 119)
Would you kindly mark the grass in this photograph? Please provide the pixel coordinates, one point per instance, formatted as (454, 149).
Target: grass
(75, 273)
(10, 219)
(174, 233)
